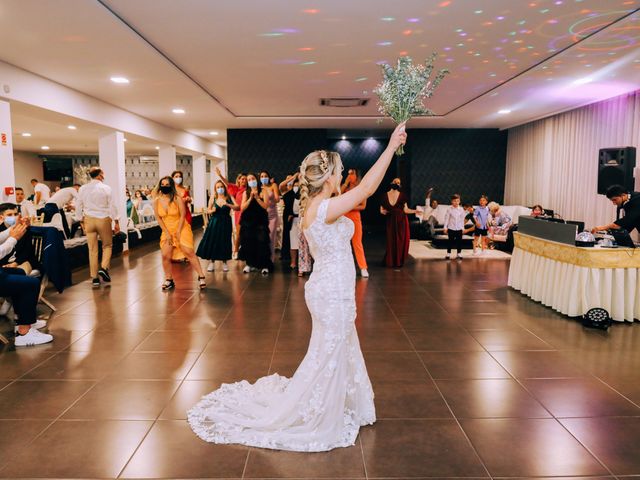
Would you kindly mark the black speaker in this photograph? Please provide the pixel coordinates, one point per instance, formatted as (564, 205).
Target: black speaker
(615, 167)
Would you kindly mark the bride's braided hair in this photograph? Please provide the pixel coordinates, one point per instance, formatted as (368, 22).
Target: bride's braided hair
(316, 169)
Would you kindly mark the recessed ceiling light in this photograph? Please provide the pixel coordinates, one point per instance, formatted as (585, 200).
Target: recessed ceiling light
(178, 111)
(125, 139)
(72, 127)
(213, 133)
(44, 147)
(344, 137)
(504, 111)
(157, 147)
(26, 134)
(121, 80)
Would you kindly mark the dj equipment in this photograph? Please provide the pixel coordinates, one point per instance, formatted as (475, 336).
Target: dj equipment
(615, 167)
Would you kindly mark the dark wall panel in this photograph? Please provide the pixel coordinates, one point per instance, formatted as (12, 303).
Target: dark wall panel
(279, 151)
(466, 161)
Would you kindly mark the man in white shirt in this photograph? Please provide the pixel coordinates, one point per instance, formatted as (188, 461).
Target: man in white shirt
(56, 204)
(41, 192)
(96, 210)
(22, 290)
(25, 207)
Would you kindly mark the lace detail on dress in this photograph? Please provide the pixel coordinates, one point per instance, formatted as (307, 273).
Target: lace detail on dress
(329, 396)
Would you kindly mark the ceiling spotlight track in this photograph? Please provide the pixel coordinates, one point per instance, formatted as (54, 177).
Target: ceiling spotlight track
(107, 7)
(562, 50)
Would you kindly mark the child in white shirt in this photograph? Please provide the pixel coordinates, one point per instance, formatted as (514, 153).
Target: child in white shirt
(454, 219)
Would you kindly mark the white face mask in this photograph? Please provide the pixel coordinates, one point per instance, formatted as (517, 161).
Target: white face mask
(295, 189)
(178, 180)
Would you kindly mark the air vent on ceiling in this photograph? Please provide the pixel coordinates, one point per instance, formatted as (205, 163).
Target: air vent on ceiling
(344, 102)
(148, 159)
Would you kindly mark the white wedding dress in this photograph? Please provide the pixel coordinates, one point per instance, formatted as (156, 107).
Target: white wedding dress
(329, 396)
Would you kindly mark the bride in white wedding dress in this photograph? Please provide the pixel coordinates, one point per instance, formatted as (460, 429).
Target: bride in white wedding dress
(329, 396)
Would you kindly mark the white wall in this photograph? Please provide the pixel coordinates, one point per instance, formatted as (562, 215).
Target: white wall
(27, 165)
(554, 161)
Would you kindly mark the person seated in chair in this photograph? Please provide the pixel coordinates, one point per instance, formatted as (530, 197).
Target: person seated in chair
(499, 223)
(23, 255)
(22, 290)
(26, 208)
(428, 213)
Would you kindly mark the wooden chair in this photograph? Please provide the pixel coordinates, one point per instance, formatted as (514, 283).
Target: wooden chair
(38, 220)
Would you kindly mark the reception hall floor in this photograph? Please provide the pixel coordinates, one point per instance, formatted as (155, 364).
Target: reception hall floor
(471, 379)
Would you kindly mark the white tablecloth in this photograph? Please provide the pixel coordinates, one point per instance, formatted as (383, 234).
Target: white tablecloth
(572, 289)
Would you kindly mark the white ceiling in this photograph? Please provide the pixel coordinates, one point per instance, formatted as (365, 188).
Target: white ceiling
(244, 64)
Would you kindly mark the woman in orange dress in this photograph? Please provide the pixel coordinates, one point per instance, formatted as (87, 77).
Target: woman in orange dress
(170, 211)
(183, 193)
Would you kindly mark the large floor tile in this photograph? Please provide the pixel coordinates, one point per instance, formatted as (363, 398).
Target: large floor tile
(538, 364)
(518, 447)
(123, 400)
(614, 441)
(490, 398)
(79, 449)
(172, 450)
(409, 400)
(418, 448)
(338, 463)
(452, 365)
(580, 397)
(230, 367)
(36, 399)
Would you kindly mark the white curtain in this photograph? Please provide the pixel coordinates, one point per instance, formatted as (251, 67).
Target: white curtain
(554, 161)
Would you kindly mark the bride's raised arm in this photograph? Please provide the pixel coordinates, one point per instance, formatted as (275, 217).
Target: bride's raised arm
(346, 202)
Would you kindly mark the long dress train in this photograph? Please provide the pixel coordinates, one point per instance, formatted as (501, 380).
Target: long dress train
(329, 396)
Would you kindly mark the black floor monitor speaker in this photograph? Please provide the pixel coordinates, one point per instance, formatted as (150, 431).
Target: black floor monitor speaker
(615, 167)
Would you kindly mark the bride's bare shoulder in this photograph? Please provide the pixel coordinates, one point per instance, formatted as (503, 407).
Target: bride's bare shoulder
(311, 212)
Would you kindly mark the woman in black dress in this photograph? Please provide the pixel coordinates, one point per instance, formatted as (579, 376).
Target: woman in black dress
(216, 241)
(255, 248)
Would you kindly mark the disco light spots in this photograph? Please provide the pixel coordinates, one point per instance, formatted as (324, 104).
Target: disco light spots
(306, 49)
(444, 4)
(311, 11)
(304, 64)
(478, 12)
(403, 53)
(271, 34)
(286, 30)
(361, 79)
(384, 44)
(406, 33)
(387, 19)
(413, 20)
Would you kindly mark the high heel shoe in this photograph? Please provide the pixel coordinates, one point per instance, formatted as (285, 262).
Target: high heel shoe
(168, 284)
(201, 283)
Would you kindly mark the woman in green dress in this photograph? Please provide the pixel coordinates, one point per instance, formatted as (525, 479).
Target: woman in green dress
(216, 241)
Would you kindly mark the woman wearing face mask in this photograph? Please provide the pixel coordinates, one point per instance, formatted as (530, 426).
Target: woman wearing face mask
(351, 182)
(184, 194)
(271, 197)
(216, 241)
(236, 190)
(171, 213)
(255, 248)
(394, 206)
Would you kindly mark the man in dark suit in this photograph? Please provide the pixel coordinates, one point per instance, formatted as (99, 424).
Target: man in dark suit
(629, 203)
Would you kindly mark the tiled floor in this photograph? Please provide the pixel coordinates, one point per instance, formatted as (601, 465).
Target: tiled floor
(472, 379)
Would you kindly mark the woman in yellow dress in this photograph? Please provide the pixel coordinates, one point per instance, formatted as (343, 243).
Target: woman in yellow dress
(170, 211)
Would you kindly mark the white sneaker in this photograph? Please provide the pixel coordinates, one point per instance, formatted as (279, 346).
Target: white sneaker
(459, 256)
(32, 337)
(211, 267)
(39, 325)
(246, 269)
(364, 273)
(225, 267)
(448, 256)
(265, 271)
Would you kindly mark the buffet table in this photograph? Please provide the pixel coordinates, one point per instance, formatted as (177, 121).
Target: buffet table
(573, 279)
